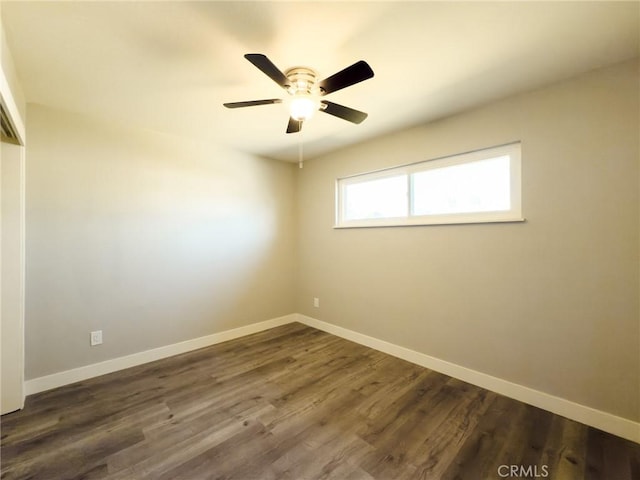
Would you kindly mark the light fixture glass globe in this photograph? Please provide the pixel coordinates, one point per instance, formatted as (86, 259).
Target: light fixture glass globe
(302, 107)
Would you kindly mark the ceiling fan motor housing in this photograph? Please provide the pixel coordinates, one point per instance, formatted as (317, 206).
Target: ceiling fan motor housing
(302, 81)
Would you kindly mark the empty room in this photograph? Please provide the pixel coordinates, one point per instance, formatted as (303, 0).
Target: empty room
(320, 240)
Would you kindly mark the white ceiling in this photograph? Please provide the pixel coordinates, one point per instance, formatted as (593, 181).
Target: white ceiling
(169, 66)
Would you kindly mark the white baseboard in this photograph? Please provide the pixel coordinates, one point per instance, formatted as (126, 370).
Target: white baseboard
(66, 377)
(607, 422)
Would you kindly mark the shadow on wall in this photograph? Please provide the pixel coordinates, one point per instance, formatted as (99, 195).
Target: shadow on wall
(153, 239)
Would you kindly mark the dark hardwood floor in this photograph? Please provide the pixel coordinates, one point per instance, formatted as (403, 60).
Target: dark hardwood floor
(297, 403)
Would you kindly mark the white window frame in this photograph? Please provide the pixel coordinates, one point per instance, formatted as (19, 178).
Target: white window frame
(514, 214)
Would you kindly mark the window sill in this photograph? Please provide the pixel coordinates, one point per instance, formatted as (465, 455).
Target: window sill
(423, 223)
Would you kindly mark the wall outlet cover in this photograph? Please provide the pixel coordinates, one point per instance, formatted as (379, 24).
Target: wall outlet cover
(96, 338)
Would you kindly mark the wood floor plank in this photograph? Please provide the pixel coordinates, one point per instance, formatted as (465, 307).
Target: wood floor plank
(294, 403)
(444, 437)
(572, 458)
(517, 447)
(482, 448)
(608, 457)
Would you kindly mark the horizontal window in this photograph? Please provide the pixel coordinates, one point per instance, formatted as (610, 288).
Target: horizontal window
(474, 187)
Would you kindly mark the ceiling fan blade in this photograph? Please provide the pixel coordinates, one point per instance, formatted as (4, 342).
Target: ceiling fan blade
(294, 125)
(356, 73)
(268, 68)
(252, 103)
(340, 111)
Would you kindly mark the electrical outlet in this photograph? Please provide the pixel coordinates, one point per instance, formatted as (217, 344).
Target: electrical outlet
(316, 302)
(96, 338)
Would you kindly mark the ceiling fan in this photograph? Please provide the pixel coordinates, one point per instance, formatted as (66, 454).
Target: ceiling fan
(302, 84)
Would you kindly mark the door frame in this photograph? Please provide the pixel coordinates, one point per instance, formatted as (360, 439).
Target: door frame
(13, 117)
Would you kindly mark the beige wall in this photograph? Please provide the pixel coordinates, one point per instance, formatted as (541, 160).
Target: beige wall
(552, 303)
(151, 238)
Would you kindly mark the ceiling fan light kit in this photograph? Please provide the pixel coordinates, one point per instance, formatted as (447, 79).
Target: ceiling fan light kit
(301, 107)
(305, 92)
